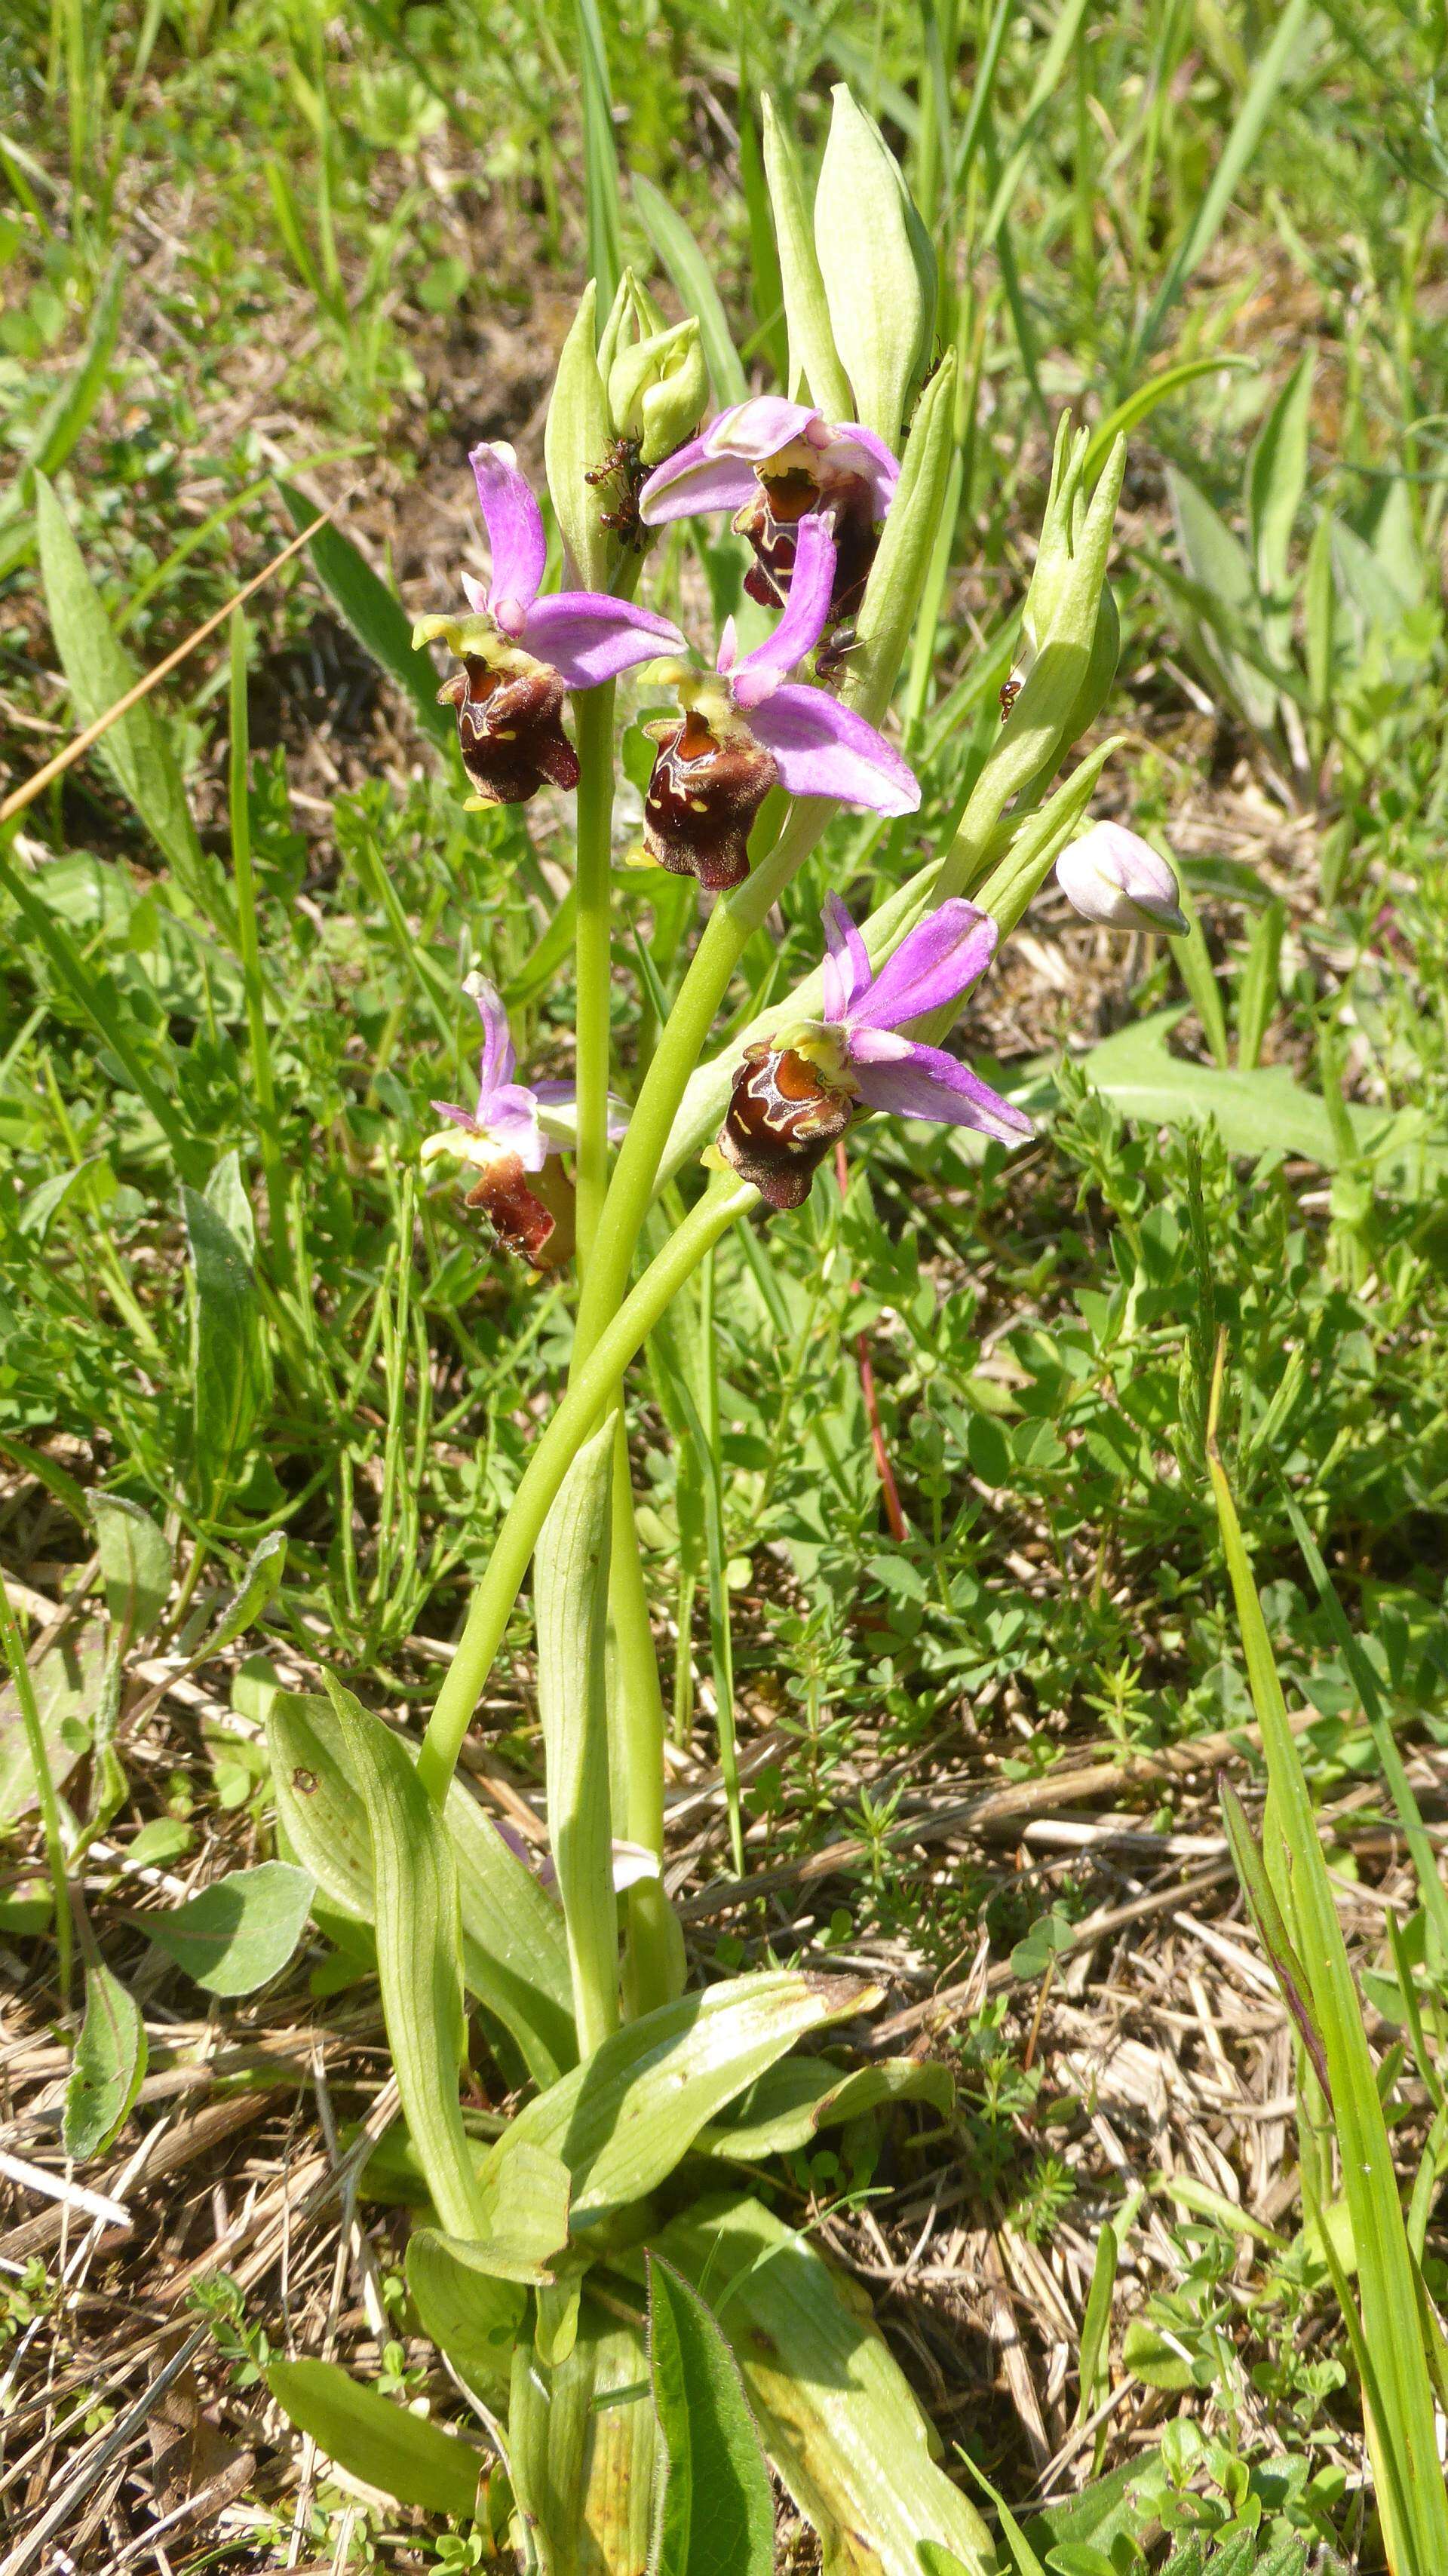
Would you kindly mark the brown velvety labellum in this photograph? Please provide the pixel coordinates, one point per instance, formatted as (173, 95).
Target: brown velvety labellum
(533, 1213)
(702, 798)
(783, 1119)
(510, 731)
(771, 524)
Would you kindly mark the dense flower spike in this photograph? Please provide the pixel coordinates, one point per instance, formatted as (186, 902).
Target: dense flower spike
(746, 728)
(521, 1187)
(795, 1094)
(521, 653)
(774, 463)
(1112, 876)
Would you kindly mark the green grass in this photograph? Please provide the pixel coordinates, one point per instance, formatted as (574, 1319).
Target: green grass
(246, 241)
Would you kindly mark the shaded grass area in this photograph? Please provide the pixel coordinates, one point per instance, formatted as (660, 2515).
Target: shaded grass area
(979, 1758)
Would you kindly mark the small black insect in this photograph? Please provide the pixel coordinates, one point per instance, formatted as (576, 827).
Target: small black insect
(624, 468)
(833, 653)
(1010, 691)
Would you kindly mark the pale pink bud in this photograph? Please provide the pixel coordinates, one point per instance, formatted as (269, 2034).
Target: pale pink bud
(1112, 876)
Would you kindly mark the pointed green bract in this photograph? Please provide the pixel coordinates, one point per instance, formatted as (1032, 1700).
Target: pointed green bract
(876, 264)
(814, 361)
(577, 438)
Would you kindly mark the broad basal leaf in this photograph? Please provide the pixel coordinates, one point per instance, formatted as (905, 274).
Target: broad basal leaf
(108, 2067)
(802, 2096)
(581, 2450)
(135, 748)
(238, 1933)
(376, 2440)
(231, 1372)
(622, 2122)
(135, 1563)
(419, 1959)
(67, 1682)
(514, 1954)
(717, 2514)
(835, 2410)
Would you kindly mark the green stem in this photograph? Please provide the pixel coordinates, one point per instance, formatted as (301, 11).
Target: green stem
(653, 1972)
(14, 1653)
(592, 1389)
(682, 1041)
(249, 944)
(594, 719)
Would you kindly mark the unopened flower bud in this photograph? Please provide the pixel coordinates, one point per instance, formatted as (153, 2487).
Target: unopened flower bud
(658, 390)
(1112, 876)
(877, 264)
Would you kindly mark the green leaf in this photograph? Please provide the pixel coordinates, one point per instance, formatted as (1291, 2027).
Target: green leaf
(836, 2413)
(877, 267)
(379, 2442)
(264, 1569)
(379, 622)
(419, 1958)
(1138, 406)
(717, 2514)
(1224, 595)
(581, 2450)
(1272, 1931)
(1247, 130)
(135, 748)
(231, 1372)
(1276, 481)
(623, 2121)
(67, 1683)
(108, 2067)
(73, 402)
(1199, 976)
(522, 2221)
(1263, 1112)
(803, 2096)
(1258, 987)
(570, 1594)
(694, 278)
(1398, 2400)
(135, 1563)
(472, 2315)
(515, 1957)
(238, 1933)
(226, 1192)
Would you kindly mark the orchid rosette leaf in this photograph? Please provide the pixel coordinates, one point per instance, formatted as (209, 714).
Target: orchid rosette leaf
(746, 727)
(521, 654)
(774, 464)
(796, 1094)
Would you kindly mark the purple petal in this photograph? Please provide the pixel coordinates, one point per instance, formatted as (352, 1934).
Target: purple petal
(846, 970)
(587, 637)
(821, 749)
(690, 481)
(456, 1117)
(515, 530)
(811, 586)
(512, 1121)
(563, 1095)
(498, 1057)
(925, 1082)
(855, 450)
(760, 427)
(935, 965)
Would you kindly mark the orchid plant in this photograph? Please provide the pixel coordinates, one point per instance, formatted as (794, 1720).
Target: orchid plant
(602, 2267)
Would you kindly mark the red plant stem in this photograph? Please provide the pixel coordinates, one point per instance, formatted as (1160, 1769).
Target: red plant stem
(886, 1473)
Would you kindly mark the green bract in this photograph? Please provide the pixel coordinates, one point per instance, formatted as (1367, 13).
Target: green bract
(877, 266)
(814, 360)
(576, 443)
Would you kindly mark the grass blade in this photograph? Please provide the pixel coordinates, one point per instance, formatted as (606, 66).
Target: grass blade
(600, 157)
(694, 278)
